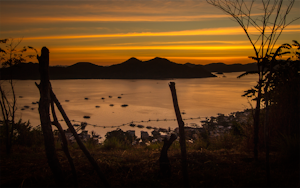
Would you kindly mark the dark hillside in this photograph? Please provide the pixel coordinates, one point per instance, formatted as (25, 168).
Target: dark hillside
(21, 71)
(81, 70)
(221, 67)
(157, 68)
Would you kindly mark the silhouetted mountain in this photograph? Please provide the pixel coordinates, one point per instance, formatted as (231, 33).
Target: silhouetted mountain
(131, 62)
(221, 67)
(21, 71)
(157, 68)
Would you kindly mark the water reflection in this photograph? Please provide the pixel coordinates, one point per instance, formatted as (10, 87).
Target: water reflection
(146, 99)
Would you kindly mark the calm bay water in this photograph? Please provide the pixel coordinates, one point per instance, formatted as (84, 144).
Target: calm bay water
(146, 100)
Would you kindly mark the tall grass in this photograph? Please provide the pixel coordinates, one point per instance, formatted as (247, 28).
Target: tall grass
(114, 143)
(225, 141)
(155, 146)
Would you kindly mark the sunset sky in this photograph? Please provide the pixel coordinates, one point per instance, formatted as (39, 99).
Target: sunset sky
(108, 32)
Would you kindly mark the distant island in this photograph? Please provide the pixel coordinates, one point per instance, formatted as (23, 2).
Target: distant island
(133, 68)
(221, 67)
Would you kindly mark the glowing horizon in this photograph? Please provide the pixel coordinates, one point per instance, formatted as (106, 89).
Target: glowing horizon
(215, 31)
(111, 31)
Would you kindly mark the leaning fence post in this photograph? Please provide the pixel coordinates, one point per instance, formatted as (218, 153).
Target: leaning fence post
(78, 140)
(44, 105)
(181, 134)
(64, 144)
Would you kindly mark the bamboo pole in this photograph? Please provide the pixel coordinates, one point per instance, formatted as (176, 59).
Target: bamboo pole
(181, 134)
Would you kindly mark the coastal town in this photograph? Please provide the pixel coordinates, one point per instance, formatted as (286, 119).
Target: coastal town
(213, 127)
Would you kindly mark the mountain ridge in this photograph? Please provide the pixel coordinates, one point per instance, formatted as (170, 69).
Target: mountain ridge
(157, 68)
(237, 67)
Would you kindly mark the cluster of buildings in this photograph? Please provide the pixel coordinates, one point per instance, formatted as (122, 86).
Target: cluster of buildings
(213, 126)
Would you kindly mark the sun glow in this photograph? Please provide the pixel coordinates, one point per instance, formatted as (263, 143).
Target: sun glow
(211, 31)
(73, 49)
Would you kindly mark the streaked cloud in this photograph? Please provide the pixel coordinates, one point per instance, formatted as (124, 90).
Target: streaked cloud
(150, 18)
(202, 42)
(212, 31)
(99, 30)
(106, 11)
(218, 31)
(189, 47)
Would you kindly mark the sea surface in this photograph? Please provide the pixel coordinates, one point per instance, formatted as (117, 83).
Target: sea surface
(149, 101)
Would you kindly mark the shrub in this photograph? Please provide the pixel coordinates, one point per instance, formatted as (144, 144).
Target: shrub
(200, 143)
(121, 136)
(24, 134)
(91, 144)
(203, 141)
(114, 143)
(225, 141)
(237, 129)
(27, 135)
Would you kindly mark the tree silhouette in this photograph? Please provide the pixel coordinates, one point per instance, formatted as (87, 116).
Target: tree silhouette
(10, 56)
(263, 23)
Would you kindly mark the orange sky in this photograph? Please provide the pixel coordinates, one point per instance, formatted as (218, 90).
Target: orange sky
(111, 31)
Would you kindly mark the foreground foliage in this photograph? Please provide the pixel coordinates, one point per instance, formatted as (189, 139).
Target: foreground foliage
(212, 161)
(139, 166)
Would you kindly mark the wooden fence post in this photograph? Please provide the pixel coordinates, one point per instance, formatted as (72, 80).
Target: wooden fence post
(44, 105)
(181, 134)
(78, 140)
(164, 162)
(47, 97)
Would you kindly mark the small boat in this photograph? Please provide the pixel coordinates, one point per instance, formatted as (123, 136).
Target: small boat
(111, 105)
(149, 127)
(86, 117)
(97, 106)
(102, 98)
(124, 105)
(132, 125)
(140, 126)
(67, 100)
(86, 98)
(119, 97)
(110, 96)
